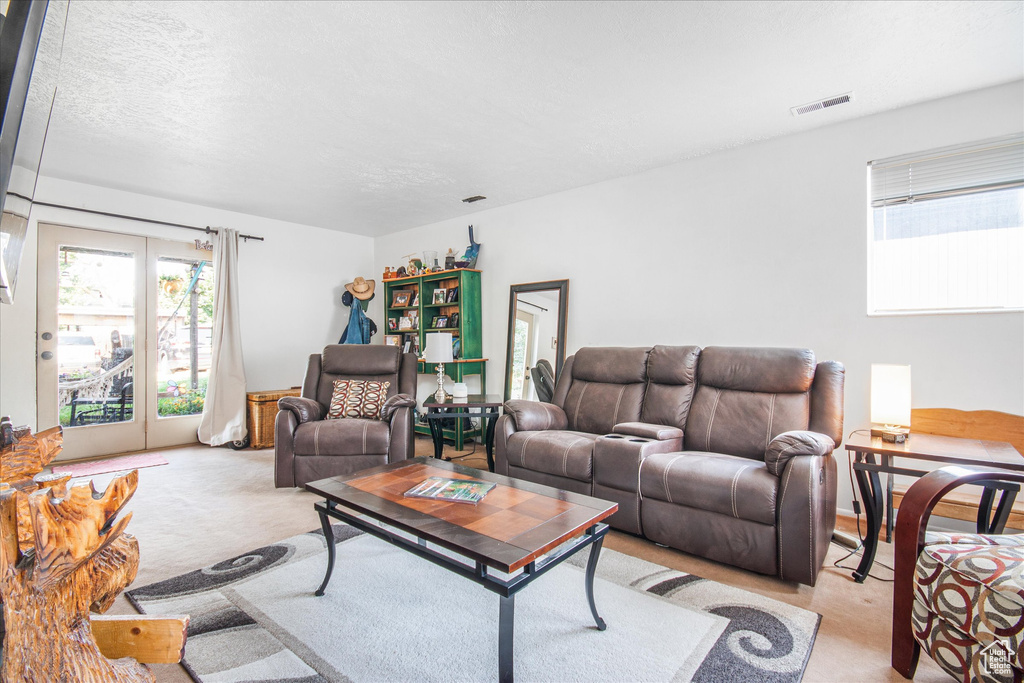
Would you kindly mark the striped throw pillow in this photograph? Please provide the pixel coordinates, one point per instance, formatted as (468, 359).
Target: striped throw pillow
(358, 398)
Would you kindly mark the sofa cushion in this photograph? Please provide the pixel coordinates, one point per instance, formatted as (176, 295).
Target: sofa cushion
(672, 374)
(596, 407)
(562, 453)
(355, 359)
(358, 398)
(765, 370)
(611, 364)
(354, 436)
(725, 484)
(742, 423)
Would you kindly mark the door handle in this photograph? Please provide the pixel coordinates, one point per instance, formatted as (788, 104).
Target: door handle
(47, 336)
(46, 355)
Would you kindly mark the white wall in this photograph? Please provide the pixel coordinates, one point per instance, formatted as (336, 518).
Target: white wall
(291, 285)
(760, 245)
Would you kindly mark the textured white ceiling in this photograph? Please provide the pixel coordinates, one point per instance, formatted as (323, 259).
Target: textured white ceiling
(373, 117)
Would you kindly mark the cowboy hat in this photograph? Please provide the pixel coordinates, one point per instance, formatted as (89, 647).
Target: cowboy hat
(361, 289)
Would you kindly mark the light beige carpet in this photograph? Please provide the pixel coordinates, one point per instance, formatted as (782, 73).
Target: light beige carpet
(209, 504)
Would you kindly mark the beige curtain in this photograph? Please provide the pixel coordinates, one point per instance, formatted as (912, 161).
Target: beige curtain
(224, 409)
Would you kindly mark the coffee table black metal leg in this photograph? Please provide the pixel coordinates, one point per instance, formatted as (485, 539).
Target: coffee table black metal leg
(325, 522)
(871, 493)
(506, 633)
(595, 553)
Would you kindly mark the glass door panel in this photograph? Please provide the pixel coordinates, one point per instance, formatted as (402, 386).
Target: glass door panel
(180, 284)
(185, 329)
(95, 335)
(90, 289)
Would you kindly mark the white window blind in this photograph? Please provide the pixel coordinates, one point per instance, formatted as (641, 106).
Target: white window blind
(947, 229)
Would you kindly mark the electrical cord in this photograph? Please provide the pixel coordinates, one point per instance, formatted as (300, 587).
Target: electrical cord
(856, 512)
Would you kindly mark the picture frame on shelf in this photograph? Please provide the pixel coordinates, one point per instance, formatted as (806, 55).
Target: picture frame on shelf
(452, 295)
(439, 321)
(407, 322)
(393, 340)
(439, 296)
(407, 347)
(415, 299)
(400, 298)
(453, 320)
(392, 324)
(456, 347)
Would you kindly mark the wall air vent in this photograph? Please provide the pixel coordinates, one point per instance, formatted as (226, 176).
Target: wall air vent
(822, 104)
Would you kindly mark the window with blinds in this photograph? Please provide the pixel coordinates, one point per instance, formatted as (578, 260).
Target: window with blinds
(946, 229)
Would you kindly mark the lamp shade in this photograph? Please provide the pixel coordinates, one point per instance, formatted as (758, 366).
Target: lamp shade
(890, 394)
(439, 348)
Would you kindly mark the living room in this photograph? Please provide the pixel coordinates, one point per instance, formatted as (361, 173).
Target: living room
(759, 239)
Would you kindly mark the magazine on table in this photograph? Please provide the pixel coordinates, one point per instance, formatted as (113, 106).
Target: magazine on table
(453, 490)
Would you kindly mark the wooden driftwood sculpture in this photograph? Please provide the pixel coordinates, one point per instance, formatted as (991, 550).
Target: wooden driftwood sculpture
(63, 553)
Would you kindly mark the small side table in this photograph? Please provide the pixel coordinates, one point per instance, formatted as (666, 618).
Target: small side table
(486, 407)
(942, 449)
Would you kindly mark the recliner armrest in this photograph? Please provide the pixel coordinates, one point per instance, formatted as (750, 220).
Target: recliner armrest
(394, 403)
(648, 431)
(788, 445)
(305, 409)
(531, 416)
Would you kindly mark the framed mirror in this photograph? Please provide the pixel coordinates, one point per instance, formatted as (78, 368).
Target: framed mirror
(536, 338)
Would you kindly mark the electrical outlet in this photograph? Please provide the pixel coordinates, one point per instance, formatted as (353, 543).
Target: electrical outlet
(554, 342)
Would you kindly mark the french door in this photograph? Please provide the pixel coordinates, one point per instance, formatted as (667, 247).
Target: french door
(123, 346)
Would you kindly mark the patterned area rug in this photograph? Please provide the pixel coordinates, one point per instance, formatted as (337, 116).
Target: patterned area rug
(390, 616)
(123, 463)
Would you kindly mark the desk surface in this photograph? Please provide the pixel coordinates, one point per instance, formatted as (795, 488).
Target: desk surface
(942, 449)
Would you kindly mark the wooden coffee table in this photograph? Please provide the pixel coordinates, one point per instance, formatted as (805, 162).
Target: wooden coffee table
(519, 528)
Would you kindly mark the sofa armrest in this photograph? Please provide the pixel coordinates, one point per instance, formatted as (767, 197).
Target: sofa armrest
(304, 409)
(805, 516)
(285, 425)
(401, 445)
(648, 431)
(394, 403)
(788, 445)
(531, 416)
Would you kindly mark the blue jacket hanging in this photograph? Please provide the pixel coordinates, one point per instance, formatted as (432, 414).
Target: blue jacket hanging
(358, 330)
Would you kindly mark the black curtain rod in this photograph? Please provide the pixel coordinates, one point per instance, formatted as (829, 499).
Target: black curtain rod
(207, 229)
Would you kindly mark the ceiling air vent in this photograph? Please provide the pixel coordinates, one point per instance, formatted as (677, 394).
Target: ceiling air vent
(822, 104)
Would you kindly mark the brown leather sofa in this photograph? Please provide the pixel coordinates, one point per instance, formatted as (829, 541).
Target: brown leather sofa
(723, 453)
(308, 447)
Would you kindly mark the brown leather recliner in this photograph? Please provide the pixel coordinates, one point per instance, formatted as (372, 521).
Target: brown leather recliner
(308, 447)
(723, 453)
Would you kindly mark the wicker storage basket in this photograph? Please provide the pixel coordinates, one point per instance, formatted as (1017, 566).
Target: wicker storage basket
(262, 413)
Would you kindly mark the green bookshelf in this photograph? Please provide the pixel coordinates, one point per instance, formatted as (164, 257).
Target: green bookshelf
(417, 299)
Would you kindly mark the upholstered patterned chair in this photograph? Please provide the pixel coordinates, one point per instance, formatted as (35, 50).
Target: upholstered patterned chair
(310, 446)
(959, 596)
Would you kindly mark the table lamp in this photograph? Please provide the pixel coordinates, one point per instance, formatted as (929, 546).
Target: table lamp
(890, 402)
(439, 350)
